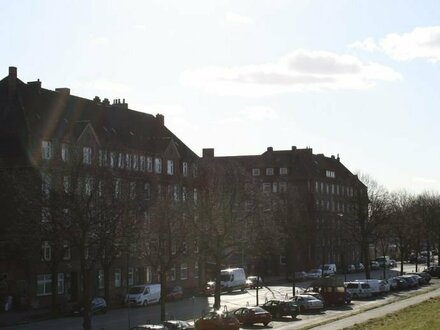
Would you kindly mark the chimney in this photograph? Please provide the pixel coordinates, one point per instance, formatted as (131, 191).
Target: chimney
(333, 156)
(338, 159)
(117, 103)
(105, 102)
(12, 80)
(208, 153)
(160, 118)
(35, 84)
(64, 91)
(96, 99)
(269, 149)
(293, 147)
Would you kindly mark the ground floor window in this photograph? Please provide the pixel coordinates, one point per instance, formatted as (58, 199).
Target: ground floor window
(117, 278)
(44, 284)
(183, 271)
(100, 279)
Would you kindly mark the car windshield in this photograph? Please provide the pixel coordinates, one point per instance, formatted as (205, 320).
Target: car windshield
(225, 277)
(136, 290)
(258, 310)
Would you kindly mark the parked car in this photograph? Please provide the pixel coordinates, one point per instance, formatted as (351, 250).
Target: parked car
(332, 289)
(280, 308)
(317, 295)
(233, 279)
(143, 294)
(306, 302)
(384, 261)
(149, 327)
(175, 293)
(253, 281)
(374, 265)
(359, 289)
(217, 320)
(377, 286)
(178, 325)
(397, 284)
(426, 277)
(252, 315)
(328, 269)
(411, 281)
(359, 267)
(393, 263)
(433, 271)
(300, 276)
(313, 274)
(350, 269)
(99, 305)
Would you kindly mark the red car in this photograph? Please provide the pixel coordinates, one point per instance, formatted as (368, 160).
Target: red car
(175, 293)
(218, 320)
(251, 315)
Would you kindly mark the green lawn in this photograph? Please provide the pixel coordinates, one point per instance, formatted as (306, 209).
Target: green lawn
(422, 316)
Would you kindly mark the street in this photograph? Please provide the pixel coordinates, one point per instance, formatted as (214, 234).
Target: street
(193, 307)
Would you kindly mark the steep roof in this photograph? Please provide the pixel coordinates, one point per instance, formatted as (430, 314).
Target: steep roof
(58, 115)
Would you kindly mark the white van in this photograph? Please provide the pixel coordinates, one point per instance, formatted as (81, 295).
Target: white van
(358, 289)
(143, 294)
(328, 269)
(233, 279)
(377, 286)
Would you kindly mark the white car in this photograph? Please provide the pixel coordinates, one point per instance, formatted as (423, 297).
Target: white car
(359, 289)
(314, 274)
(306, 302)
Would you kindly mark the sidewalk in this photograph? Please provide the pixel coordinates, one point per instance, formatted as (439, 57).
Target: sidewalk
(23, 317)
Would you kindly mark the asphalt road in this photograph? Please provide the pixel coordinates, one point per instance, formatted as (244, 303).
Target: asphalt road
(194, 307)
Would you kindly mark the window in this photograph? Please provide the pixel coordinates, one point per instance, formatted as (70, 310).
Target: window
(66, 184)
(185, 169)
(157, 165)
(46, 181)
(128, 158)
(121, 160)
(170, 167)
(130, 276)
(333, 188)
(88, 185)
(65, 152)
(195, 195)
(283, 170)
(196, 270)
(87, 155)
(269, 171)
(118, 188)
(267, 187)
(45, 214)
(132, 190)
(44, 282)
(60, 283)
(173, 248)
(317, 186)
(100, 276)
(183, 271)
(274, 187)
(135, 162)
(147, 191)
(66, 250)
(142, 163)
(118, 277)
(184, 193)
(112, 159)
(196, 246)
(102, 157)
(148, 274)
(176, 195)
(147, 221)
(282, 186)
(282, 260)
(255, 171)
(330, 174)
(149, 164)
(46, 150)
(172, 273)
(46, 251)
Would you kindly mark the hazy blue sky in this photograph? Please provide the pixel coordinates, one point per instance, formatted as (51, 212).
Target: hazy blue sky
(354, 78)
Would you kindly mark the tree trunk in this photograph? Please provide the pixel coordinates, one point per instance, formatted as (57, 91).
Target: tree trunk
(218, 287)
(163, 295)
(87, 299)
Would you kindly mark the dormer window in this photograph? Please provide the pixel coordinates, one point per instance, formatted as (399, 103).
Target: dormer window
(65, 152)
(87, 155)
(46, 149)
(330, 174)
(170, 167)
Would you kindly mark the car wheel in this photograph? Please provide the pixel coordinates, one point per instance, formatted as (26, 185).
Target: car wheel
(145, 303)
(294, 316)
(265, 324)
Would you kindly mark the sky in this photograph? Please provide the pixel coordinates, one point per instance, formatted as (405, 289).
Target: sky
(356, 78)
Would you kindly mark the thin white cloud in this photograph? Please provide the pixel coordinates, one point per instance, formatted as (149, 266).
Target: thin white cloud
(234, 19)
(302, 70)
(420, 43)
(259, 113)
(98, 40)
